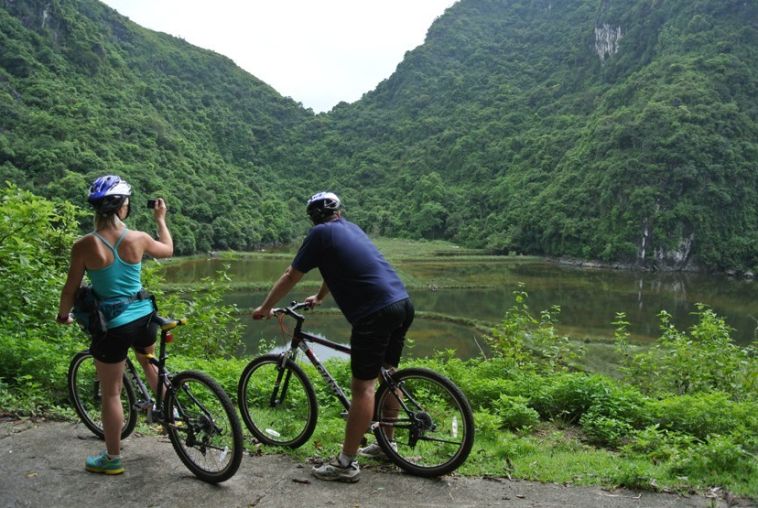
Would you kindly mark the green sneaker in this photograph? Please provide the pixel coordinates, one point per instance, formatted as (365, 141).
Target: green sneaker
(102, 464)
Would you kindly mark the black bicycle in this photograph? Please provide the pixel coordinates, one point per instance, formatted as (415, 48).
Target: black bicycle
(422, 420)
(197, 414)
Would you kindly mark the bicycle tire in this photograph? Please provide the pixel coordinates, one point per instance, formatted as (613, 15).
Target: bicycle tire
(273, 420)
(84, 393)
(202, 425)
(435, 434)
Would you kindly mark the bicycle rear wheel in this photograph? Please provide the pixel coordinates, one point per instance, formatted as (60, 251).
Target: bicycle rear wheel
(86, 396)
(433, 429)
(203, 427)
(277, 404)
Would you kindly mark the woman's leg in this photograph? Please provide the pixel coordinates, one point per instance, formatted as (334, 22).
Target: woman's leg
(151, 371)
(111, 377)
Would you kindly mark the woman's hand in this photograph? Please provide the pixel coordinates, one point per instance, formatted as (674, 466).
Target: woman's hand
(64, 319)
(159, 212)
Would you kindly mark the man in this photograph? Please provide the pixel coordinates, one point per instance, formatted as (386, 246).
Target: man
(373, 299)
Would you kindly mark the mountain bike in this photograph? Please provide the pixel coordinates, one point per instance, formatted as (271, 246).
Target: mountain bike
(196, 413)
(422, 420)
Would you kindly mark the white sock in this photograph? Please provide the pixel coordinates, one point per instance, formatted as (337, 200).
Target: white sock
(345, 460)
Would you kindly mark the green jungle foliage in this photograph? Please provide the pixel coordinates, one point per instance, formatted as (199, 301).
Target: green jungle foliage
(615, 130)
(85, 92)
(36, 236)
(537, 417)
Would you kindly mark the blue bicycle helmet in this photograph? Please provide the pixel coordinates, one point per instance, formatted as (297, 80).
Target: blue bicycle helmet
(107, 194)
(322, 205)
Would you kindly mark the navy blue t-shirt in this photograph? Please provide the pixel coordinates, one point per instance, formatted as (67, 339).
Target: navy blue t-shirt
(360, 279)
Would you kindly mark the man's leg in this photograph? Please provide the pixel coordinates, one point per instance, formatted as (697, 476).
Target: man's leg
(391, 361)
(345, 468)
(360, 415)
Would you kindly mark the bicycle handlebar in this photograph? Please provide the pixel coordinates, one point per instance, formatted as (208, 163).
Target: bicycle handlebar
(290, 311)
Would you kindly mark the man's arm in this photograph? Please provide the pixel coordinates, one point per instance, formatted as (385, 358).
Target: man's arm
(286, 282)
(316, 299)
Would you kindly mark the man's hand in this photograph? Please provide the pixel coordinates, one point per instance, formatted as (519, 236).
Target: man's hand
(313, 300)
(260, 313)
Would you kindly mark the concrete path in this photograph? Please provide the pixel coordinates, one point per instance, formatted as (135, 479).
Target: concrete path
(41, 465)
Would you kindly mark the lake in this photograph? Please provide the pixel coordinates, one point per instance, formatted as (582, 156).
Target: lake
(481, 288)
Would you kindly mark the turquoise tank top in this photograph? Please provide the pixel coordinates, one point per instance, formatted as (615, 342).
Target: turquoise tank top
(120, 280)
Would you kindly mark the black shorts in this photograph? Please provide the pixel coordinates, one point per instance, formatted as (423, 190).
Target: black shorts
(378, 339)
(114, 346)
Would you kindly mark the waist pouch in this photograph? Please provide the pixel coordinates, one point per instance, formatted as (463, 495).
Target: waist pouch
(93, 314)
(113, 307)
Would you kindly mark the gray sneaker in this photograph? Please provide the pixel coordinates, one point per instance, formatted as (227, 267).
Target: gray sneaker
(374, 451)
(334, 471)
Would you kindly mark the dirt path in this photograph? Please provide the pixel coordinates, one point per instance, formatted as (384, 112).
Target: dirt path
(41, 464)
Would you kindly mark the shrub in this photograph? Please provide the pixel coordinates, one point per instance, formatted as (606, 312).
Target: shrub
(703, 360)
(656, 444)
(35, 240)
(483, 388)
(515, 414)
(703, 414)
(213, 328)
(604, 431)
(487, 424)
(569, 396)
(532, 343)
(716, 459)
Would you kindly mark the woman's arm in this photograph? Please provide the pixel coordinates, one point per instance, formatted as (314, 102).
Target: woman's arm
(163, 247)
(73, 281)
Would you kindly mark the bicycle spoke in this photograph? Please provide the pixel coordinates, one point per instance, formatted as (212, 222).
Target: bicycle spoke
(433, 429)
(277, 404)
(203, 428)
(85, 393)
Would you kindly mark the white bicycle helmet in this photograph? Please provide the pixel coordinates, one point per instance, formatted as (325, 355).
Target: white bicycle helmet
(322, 205)
(107, 193)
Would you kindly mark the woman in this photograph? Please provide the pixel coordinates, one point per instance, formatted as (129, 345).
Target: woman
(112, 258)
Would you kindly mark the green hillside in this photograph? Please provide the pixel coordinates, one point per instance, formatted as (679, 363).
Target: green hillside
(84, 91)
(511, 129)
(620, 131)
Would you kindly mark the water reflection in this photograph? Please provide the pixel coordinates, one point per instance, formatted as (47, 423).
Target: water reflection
(427, 337)
(481, 288)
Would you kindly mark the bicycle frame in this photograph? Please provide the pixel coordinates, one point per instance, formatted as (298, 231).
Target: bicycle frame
(193, 409)
(145, 401)
(300, 341)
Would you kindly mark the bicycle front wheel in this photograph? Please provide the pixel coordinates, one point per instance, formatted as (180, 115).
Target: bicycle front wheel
(85, 393)
(277, 403)
(425, 423)
(203, 427)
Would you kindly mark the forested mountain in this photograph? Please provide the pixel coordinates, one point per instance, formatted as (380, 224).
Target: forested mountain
(604, 129)
(84, 91)
(619, 130)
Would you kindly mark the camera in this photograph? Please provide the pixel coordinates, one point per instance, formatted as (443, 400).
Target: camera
(151, 203)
